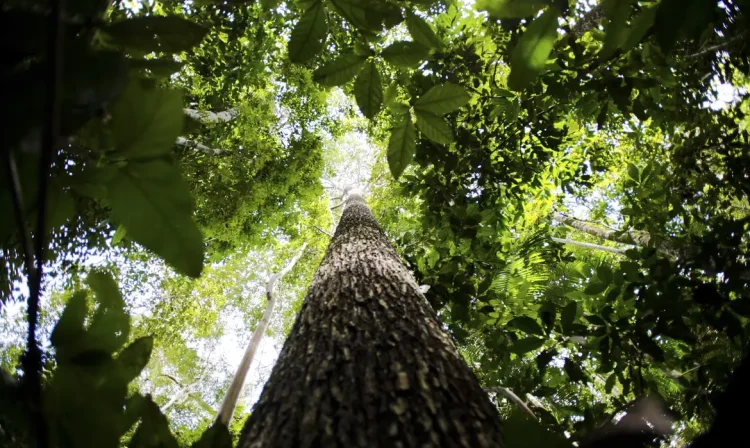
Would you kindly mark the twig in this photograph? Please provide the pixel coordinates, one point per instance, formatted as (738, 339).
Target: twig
(513, 397)
(20, 213)
(726, 43)
(322, 231)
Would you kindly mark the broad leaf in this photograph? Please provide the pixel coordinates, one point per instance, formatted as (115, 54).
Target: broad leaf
(339, 71)
(216, 436)
(405, 54)
(152, 202)
(530, 55)
(154, 430)
(526, 345)
(110, 325)
(69, 329)
(363, 14)
(158, 67)
(511, 9)
(146, 122)
(605, 274)
(368, 90)
(133, 359)
(595, 288)
(568, 316)
(640, 26)
(421, 32)
(527, 325)
(616, 28)
(434, 127)
(442, 99)
(401, 146)
(309, 35)
(574, 370)
(168, 34)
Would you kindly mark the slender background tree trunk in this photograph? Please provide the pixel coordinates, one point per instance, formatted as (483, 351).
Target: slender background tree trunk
(367, 363)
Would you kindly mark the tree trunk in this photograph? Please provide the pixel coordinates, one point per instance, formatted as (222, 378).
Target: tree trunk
(367, 363)
(233, 394)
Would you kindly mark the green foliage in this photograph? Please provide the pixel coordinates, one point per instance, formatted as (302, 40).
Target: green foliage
(309, 35)
(167, 34)
(533, 49)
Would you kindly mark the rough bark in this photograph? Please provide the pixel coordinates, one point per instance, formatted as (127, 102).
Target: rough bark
(206, 117)
(233, 394)
(181, 141)
(367, 363)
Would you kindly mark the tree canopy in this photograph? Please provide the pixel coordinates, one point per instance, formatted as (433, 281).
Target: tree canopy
(568, 179)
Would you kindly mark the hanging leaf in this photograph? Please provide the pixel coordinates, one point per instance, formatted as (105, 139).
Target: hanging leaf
(154, 430)
(69, 329)
(616, 28)
(442, 99)
(567, 316)
(527, 325)
(610, 383)
(216, 436)
(368, 90)
(133, 359)
(605, 274)
(146, 122)
(309, 35)
(434, 127)
(574, 371)
(640, 26)
(340, 71)
(422, 32)
(405, 54)
(526, 345)
(530, 55)
(110, 325)
(152, 202)
(401, 145)
(168, 34)
(511, 9)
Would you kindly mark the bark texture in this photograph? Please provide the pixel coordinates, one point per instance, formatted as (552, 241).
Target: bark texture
(367, 363)
(181, 141)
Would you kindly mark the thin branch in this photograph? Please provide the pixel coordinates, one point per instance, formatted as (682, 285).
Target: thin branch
(192, 144)
(19, 213)
(512, 397)
(230, 400)
(322, 231)
(724, 44)
(614, 250)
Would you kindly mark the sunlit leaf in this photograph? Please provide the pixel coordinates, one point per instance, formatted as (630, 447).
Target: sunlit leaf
(434, 127)
(401, 146)
(405, 54)
(368, 90)
(533, 49)
(340, 71)
(442, 99)
(309, 35)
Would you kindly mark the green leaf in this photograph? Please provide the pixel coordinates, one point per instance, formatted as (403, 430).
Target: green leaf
(633, 172)
(530, 55)
(152, 202)
(405, 54)
(526, 345)
(616, 28)
(641, 24)
(650, 347)
(169, 34)
(521, 431)
(69, 329)
(110, 325)
(568, 316)
(527, 325)
(216, 436)
(309, 35)
(605, 274)
(434, 127)
(610, 383)
(133, 359)
(595, 288)
(368, 90)
(339, 71)
(574, 370)
(511, 9)
(146, 122)
(363, 14)
(401, 146)
(158, 67)
(422, 32)
(442, 99)
(153, 432)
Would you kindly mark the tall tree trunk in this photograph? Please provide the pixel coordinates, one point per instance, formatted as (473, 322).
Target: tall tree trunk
(367, 363)
(233, 394)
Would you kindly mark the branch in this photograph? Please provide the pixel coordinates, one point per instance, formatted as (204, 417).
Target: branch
(206, 117)
(192, 144)
(614, 250)
(233, 394)
(322, 231)
(512, 397)
(724, 44)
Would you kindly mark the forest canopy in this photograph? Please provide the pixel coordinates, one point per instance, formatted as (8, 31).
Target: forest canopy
(568, 181)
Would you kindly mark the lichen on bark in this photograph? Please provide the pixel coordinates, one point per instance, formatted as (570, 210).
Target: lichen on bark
(367, 362)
